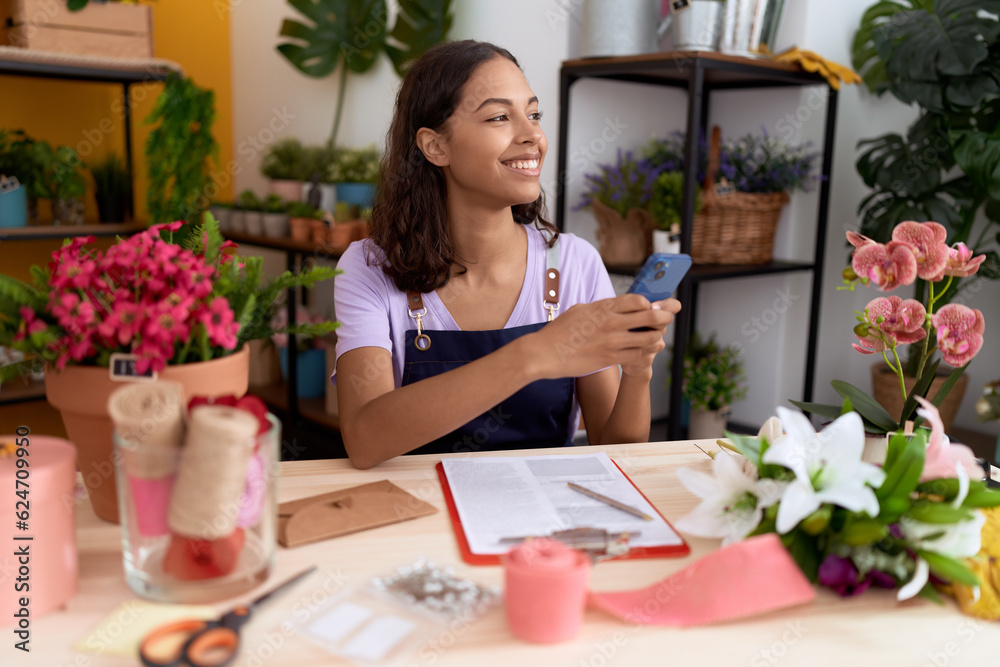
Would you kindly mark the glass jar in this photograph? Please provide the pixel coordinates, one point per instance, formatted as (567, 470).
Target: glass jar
(230, 551)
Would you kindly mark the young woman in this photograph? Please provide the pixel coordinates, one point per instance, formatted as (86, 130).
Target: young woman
(468, 323)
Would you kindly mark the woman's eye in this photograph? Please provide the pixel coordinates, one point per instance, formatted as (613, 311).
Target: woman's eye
(502, 116)
(535, 116)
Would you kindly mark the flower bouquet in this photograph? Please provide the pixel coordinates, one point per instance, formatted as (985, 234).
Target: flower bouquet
(917, 250)
(848, 524)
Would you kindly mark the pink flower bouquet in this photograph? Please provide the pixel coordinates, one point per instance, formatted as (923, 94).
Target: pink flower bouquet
(165, 302)
(916, 250)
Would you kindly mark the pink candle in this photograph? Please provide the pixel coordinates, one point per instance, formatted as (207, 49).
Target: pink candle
(38, 567)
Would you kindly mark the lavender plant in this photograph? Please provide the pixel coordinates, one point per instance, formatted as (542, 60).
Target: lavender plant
(621, 186)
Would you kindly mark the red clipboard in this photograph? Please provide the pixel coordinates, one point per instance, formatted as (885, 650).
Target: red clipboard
(681, 549)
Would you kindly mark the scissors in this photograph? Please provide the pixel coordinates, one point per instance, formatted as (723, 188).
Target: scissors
(200, 643)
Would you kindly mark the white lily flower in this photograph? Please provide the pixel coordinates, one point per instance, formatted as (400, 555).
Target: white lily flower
(732, 499)
(827, 466)
(957, 540)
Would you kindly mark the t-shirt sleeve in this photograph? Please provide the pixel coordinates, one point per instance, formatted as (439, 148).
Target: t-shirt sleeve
(360, 303)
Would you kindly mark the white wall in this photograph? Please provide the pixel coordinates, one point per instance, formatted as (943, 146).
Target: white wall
(543, 33)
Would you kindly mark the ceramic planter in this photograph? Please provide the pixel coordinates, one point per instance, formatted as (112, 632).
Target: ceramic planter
(253, 221)
(14, 208)
(81, 394)
(885, 390)
(237, 220)
(705, 424)
(356, 194)
(67, 212)
(224, 215)
(275, 225)
(287, 190)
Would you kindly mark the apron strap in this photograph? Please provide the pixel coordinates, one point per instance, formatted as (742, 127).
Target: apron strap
(416, 309)
(551, 298)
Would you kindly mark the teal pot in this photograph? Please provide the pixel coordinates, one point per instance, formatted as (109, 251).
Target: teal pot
(311, 368)
(357, 194)
(14, 208)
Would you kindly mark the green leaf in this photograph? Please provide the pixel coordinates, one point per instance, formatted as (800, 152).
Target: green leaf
(948, 384)
(861, 531)
(949, 569)
(978, 153)
(803, 549)
(902, 477)
(338, 32)
(865, 405)
(748, 446)
(981, 496)
(920, 388)
(828, 411)
(929, 511)
(76, 5)
(420, 25)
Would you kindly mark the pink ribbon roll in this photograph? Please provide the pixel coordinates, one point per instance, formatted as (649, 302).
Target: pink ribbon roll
(545, 590)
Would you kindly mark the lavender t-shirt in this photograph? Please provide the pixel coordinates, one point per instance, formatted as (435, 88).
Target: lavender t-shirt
(372, 311)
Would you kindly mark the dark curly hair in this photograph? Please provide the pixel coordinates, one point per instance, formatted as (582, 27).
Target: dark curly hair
(410, 216)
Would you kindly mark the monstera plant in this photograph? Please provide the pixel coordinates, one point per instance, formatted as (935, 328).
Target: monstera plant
(944, 57)
(350, 34)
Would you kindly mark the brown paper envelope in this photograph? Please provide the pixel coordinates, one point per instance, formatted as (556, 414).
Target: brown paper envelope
(347, 511)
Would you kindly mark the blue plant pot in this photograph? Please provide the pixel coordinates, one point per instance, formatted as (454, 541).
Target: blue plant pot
(14, 208)
(310, 366)
(360, 194)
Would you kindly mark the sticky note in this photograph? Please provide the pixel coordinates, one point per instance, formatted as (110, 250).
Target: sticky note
(121, 632)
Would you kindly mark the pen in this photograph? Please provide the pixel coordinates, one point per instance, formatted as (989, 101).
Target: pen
(610, 501)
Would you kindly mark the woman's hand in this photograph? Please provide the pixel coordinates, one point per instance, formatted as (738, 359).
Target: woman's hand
(643, 365)
(625, 330)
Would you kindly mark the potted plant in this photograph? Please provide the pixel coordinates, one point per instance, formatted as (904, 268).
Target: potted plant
(310, 354)
(665, 206)
(988, 409)
(712, 381)
(944, 166)
(62, 182)
(113, 188)
(253, 213)
(18, 158)
(329, 38)
(286, 167)
(354, 172)
(301, 220)
(317, 189)
(275, 216)
(745, 186)
(887, 324)
(619, 195)
(223, 212)
(171, 300)
(178, 151)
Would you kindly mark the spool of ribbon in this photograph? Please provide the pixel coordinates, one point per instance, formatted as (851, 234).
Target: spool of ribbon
(149, 421)
(545, 590)
(212, 473)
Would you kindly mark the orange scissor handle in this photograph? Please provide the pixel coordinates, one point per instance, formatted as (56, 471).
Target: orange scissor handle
(164, 647)
(214, 647)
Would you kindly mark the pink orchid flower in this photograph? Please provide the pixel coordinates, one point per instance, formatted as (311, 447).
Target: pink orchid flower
(942, 457)
(871, 344)
(858, 240)
(928, 240)
(902, 322)
(887, 266)
(961, 263)
(959, 333)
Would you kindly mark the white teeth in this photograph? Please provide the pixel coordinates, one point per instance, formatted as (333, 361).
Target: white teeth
(523, 164)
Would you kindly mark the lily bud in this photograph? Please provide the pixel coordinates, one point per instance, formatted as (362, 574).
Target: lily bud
(848, 274)
(861, 330)
(816, 523)
(865, 531)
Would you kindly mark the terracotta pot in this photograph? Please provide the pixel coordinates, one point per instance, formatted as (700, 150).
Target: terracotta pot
(704, 424)
(341, 235)
(287, 190)
(81, 394)
(320, 232)
(627, 241)
(885, 390)
(301, 228)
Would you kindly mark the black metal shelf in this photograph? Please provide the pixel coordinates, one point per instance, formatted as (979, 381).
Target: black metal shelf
(701, 73)
(49, 66)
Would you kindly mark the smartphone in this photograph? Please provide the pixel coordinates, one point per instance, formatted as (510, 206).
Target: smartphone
(660, 276)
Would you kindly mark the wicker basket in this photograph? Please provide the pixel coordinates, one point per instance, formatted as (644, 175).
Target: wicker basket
(734, 227)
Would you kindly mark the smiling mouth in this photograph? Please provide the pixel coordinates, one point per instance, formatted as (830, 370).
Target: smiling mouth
(522, 165)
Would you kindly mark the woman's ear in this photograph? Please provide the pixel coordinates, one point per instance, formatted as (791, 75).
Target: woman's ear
(433, 146)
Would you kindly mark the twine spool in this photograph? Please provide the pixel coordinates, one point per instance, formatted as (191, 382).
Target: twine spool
(149, 420)
(545, 590)
(212, 472)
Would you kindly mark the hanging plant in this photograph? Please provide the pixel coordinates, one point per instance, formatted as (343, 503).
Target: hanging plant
(178, 151)
(350, 34)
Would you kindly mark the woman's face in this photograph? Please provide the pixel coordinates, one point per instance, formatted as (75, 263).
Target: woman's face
(493, 141)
